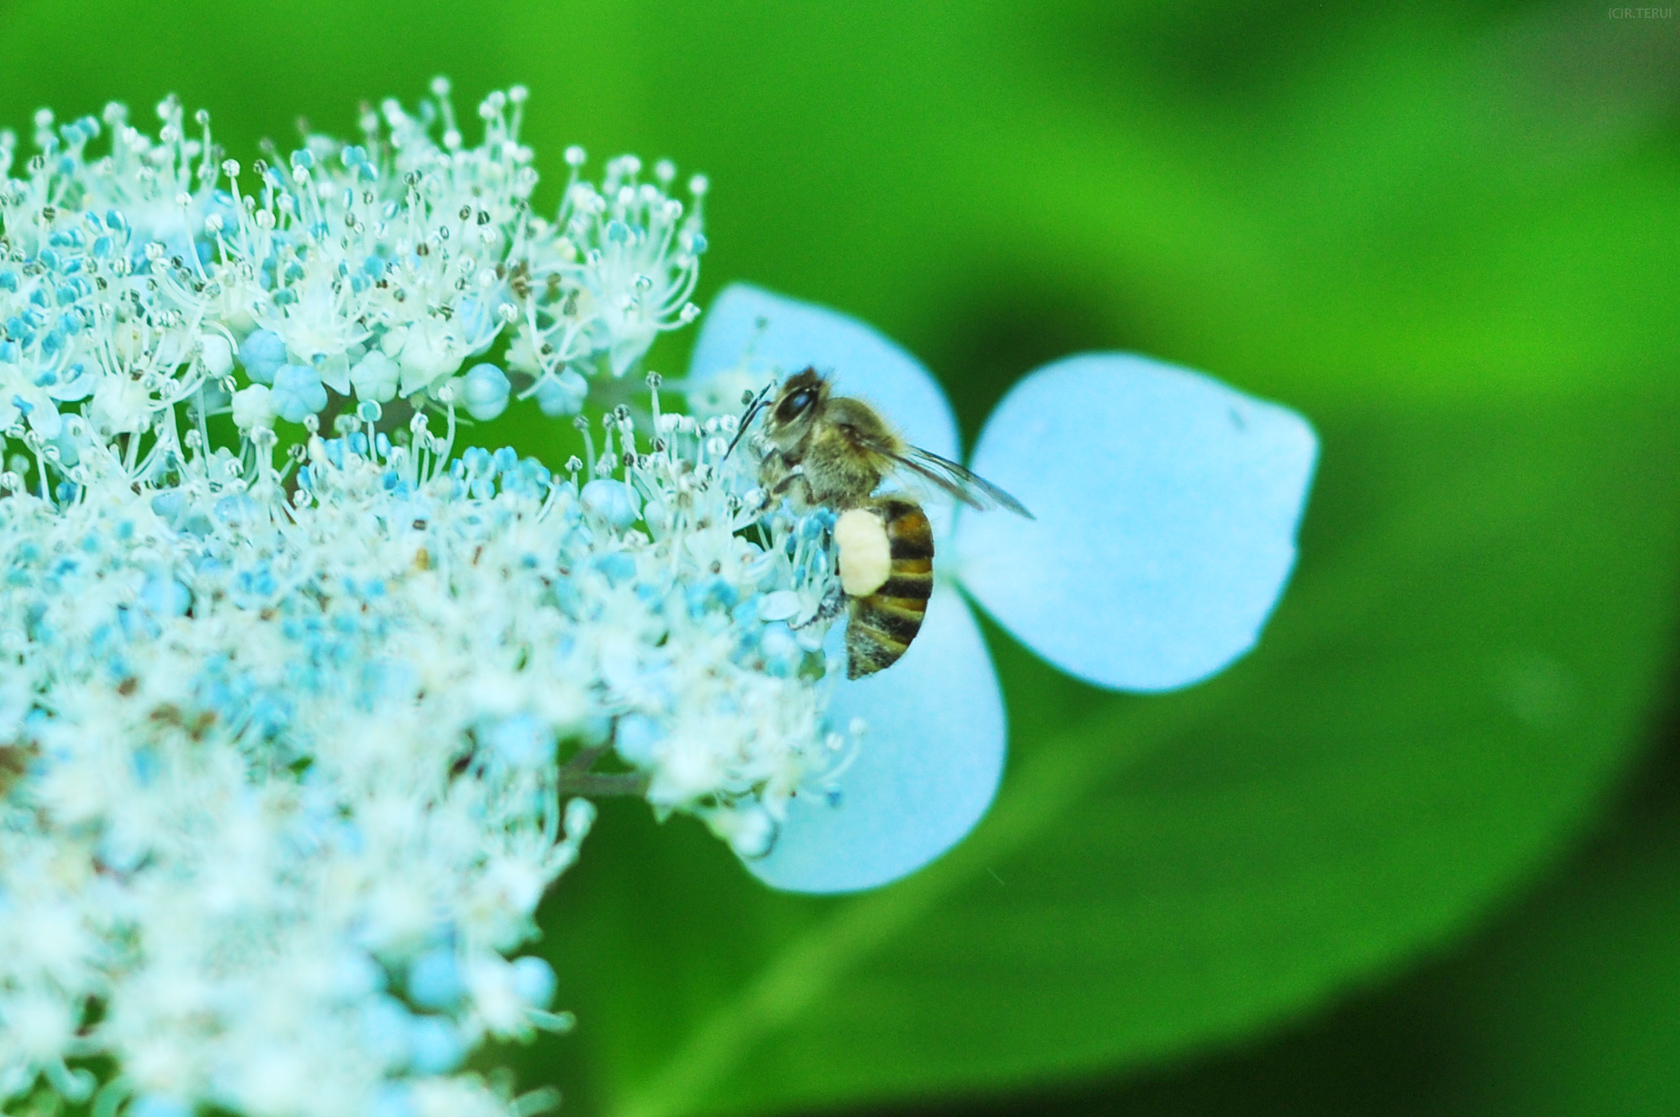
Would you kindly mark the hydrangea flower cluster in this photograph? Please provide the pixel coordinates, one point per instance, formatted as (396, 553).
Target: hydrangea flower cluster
(304, 703)
(293, 742)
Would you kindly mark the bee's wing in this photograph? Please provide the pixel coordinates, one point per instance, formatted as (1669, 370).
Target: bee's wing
(972, 490)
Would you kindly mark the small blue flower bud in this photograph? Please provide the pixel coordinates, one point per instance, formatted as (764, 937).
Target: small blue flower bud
(486, 394)
(522, 741)
(563, 394)
(169, 504)
(298, 392)
(634, 739)
(355, 975)
(780, 650)
(613, 501)
(262, 354)
(385, 1025)
(434, 1045)
(479, 322)
(620, 569)
(434, 979)
(533, 980)
(476, 461)
(375, 377)
(165, 597)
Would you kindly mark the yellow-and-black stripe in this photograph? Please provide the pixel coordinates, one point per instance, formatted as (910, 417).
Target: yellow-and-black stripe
(882, 624)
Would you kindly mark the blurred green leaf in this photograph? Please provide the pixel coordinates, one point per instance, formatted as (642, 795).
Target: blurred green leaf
(1461, 667)
(1574, 1005)
(1564, 1003)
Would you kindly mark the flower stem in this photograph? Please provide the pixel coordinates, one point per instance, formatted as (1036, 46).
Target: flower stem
(598, 785)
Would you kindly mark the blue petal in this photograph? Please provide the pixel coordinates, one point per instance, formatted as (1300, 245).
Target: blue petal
(749, 328)
(925, 772)
(1167, 508)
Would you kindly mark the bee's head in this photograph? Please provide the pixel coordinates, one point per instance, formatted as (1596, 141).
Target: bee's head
(796, 408)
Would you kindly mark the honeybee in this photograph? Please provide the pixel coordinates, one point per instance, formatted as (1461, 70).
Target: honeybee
(834, 452)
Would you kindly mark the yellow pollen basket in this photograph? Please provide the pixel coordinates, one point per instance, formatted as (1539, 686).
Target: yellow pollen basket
(865, 553)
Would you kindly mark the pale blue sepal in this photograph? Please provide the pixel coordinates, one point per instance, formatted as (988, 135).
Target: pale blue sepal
(793, 335)
(925, 772)
(1167, 508)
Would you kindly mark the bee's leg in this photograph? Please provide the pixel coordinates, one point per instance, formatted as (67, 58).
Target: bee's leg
(832, 605)
(772, 474)
(786, 479)
(772, 469)
(833, 602)
(796, 476)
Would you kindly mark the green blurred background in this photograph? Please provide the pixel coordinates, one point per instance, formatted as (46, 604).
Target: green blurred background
(1420, 853)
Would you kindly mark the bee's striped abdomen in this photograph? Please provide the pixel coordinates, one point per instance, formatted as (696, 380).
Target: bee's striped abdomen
(883, 623)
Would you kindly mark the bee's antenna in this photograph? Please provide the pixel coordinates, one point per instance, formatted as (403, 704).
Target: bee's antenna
(754, 403)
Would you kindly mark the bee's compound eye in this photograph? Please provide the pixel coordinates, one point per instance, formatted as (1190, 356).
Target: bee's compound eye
(795, 405)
